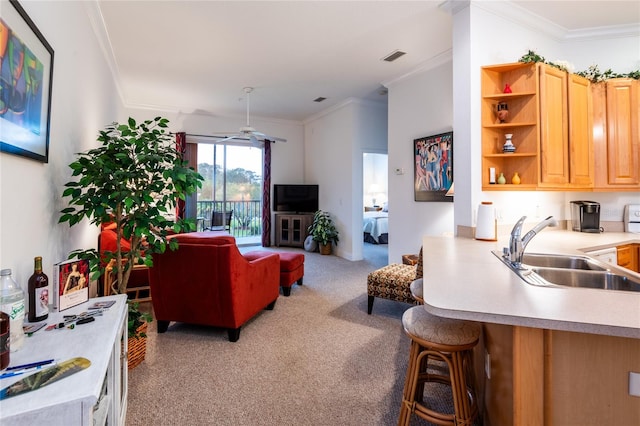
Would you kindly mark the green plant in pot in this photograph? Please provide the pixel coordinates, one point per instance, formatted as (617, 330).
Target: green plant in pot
(323, 231)
(133, 180)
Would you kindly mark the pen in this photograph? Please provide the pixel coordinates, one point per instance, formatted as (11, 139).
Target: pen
(32, 364)
(23, 371)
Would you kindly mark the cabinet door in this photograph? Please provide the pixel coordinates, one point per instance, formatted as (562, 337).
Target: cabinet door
(623, 155)
(581, 160)
(554, 143)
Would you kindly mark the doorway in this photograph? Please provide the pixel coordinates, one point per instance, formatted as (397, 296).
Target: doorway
(375, 207)
(232, 183)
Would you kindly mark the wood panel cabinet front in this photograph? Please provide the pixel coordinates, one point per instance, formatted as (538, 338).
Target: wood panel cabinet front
(554, 127)
(615, 135)
(623, 155)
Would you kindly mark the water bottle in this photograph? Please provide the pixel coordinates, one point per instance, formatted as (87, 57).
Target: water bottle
(12, 304)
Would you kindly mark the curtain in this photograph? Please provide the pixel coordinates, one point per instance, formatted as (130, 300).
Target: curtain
(181, 147)
(266, 196)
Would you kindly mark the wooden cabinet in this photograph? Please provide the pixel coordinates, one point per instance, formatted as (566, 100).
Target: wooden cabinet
(628, 255)
(554, 128)
(616, 134)
(537, 377)
(550, 117)
(566, 143)
(95, 396)
(291, 229)
(522, 123)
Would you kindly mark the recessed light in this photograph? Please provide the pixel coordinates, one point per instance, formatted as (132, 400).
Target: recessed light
(394, 55)
(319, 99)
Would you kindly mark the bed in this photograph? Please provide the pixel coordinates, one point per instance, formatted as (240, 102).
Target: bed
(375, 226)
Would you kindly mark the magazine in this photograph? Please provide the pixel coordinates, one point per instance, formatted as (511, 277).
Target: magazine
(71, 283)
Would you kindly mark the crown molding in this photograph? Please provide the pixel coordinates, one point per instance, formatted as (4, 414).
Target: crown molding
(94, 13)
(521, 16)
(431, 63)
(343, 104)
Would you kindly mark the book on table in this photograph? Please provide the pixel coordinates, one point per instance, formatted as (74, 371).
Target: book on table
(71, 283)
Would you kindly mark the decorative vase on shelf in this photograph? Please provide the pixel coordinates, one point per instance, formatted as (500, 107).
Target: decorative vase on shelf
(508, 146)
(515, 179)
(501, 179)
(507, 88)
(502, 111)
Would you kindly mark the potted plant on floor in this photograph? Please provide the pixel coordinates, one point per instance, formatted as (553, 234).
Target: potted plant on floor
(132, 181)
(323, 231)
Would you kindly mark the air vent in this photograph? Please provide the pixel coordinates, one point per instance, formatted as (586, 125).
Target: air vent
(394, 55)
(319, 99)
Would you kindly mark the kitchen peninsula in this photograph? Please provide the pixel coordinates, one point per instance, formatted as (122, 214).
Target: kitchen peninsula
(556, 355)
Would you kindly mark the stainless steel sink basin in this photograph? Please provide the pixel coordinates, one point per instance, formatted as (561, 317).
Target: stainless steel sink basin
(561, 261)
(571, 271)
(605, 280)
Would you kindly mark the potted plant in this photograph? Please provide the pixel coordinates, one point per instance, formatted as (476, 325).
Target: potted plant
(137, 335)
(323, 231)
(133, 181)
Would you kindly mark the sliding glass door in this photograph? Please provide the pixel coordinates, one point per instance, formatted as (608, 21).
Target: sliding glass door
(233, 183)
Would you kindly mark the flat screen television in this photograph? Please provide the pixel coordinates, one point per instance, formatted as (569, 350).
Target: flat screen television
(295, 198)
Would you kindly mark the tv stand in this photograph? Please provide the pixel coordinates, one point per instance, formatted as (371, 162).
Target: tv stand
(292, 228)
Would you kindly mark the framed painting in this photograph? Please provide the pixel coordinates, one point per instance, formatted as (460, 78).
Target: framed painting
(433, 167)
(26, 71)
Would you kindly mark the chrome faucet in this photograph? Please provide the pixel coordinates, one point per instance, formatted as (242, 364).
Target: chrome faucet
(515, 251)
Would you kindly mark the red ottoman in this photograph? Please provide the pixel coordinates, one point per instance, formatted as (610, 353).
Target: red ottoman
(291, 270)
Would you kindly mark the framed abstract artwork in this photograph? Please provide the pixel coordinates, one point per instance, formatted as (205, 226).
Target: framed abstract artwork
(433, 167)
(26, 72)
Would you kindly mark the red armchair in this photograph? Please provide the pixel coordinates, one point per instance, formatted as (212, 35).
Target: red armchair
(138, 285)
(208, 281)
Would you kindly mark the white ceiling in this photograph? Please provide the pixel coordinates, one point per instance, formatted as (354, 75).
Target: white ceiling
(197, 56)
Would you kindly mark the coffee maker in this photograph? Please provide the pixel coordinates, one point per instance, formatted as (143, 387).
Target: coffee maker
(585, 216)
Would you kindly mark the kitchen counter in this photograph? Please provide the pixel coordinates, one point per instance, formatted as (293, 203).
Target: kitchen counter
(464, 280)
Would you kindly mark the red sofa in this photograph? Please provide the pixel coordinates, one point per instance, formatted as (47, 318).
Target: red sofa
(208, 281)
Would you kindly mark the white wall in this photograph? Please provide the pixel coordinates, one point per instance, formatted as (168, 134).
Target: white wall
(485, 35)
(334, 143)
(419, 105)
(84, 99)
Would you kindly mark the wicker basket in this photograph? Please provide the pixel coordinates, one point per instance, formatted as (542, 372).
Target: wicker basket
(137, 348)
(325, 248)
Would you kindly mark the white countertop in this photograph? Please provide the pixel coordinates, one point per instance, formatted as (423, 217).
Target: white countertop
(463, 279)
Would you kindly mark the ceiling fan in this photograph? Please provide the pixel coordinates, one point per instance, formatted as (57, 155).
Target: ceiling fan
(247, 132)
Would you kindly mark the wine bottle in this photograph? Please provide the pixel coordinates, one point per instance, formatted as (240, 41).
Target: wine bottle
(38, 293)
(4, 341)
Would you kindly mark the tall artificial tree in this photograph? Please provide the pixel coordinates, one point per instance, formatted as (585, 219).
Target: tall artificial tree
(132, 180)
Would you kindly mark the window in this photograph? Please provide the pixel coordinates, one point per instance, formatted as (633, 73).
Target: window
(232, 181)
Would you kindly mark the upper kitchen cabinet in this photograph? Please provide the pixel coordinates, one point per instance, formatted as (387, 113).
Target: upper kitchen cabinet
(510, 107)
(550, 120)
(616, 135)
(566, 144)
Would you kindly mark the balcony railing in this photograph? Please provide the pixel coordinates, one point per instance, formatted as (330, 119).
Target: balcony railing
(246, 220)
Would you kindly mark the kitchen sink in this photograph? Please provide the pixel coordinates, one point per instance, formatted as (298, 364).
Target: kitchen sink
(561, 261)
(605, 280)
(571, 271)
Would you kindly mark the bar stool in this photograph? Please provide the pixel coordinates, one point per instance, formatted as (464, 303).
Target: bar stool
(417, 291)
(447, 340)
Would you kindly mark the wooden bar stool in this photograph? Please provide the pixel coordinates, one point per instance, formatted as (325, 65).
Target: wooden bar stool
(450, 341)
(416, 291)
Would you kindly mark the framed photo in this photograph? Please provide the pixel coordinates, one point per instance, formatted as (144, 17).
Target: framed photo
(26, 72)
(433, 167)
(71, 286)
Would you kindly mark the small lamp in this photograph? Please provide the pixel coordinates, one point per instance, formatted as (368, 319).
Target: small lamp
(374, 188)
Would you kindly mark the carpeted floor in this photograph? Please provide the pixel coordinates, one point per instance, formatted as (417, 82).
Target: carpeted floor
(316, 359)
